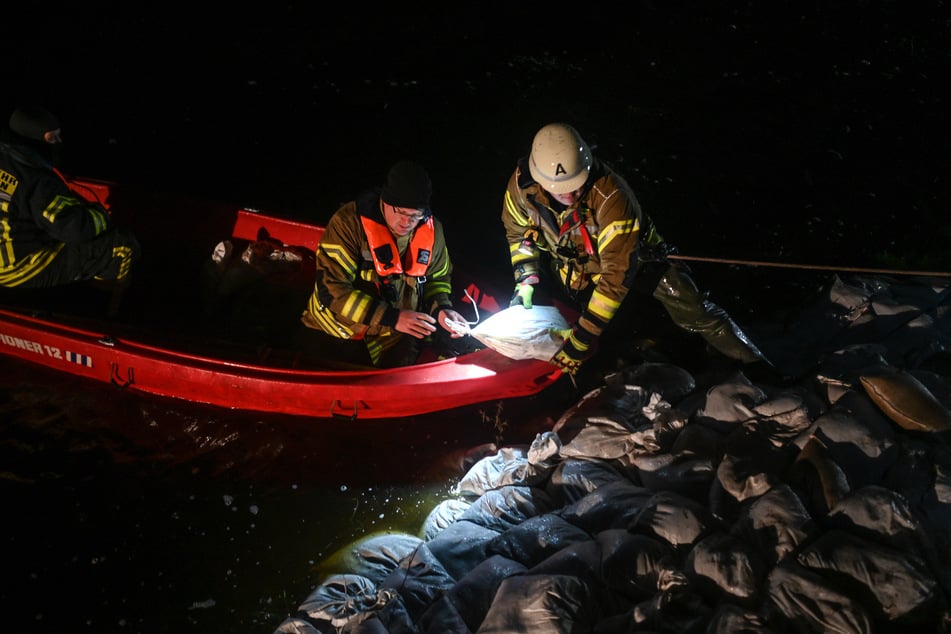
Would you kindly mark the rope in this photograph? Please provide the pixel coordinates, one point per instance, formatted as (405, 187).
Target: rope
(816, 267)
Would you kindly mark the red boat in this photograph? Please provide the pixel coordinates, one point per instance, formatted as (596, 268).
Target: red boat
(153, 345)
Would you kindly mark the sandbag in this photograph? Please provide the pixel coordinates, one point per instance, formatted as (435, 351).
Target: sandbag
(520, 333)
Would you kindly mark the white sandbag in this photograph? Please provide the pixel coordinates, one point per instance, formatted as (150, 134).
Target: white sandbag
(520, 333)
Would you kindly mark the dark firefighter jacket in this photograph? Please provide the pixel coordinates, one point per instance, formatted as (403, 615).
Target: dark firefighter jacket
(38, 215)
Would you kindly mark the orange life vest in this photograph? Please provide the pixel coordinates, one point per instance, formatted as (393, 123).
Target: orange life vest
(386, 260)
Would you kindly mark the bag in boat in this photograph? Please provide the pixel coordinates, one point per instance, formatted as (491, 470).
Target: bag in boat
(520, 333)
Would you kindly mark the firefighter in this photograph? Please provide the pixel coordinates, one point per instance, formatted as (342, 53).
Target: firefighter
(51, 236)
(570, 216)
(383, 276)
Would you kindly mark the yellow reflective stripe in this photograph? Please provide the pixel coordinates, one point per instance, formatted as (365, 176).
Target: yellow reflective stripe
(28, 267)
(8, 183)
(443, 270)
(339, 255)
(124, 254)
(325, 319)
(515, 211)
(59, 203)
(433, 288)
(375, 349)
(102, 221)
(7, 256)
(602, 307)
(357, 306)
(577, 343)
(615, 229)
(518, 255)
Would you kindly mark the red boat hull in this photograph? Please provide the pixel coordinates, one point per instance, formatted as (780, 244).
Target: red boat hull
(439, 385)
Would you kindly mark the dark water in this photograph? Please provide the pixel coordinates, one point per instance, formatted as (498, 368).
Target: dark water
(801, 134)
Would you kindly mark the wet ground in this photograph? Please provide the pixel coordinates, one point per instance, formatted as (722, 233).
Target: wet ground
(803, 135)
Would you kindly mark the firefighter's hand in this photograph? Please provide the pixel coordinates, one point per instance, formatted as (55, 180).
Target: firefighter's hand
(523, 295)
(452, 322)
(419, 325)
(571, 355)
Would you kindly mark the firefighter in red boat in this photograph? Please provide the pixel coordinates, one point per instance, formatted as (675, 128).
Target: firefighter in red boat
(49, 235)
(383, 277)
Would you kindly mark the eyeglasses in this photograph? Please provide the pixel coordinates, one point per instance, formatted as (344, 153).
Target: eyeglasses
(414, 216)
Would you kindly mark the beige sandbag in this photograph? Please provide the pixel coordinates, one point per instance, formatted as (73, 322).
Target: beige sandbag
(907, 401)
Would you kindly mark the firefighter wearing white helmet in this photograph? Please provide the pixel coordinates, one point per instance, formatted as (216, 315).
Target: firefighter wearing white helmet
(560, 160)
(565, 208)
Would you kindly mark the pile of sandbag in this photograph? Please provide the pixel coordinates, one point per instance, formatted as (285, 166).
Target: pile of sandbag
(658, 505)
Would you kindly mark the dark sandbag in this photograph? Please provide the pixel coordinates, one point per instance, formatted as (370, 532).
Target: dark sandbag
(858, 438)
(683, 472)
(444, 514)
(885, 516)
(419, 580)
(606, 439)
(508, 466)
(603, 439)
(624, 567)
(542, 605)
(637, 566)
(752, 463)
(392, 618)
(622, 403)
(613, 505)
(725, 568)
(785, 415)
(671, 382)
(818, 481)
(461, 546)
(375, 557)
(730, 403)
(804, 597)
(508, 506)
(898, 581)
(574, 478)
(342, 600)
(674, 519)
(675, 611)
(776, 523)
(730, 619)
(466, 603)
(536, 539)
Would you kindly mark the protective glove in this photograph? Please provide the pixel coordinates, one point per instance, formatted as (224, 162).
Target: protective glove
(572, 353)
(523, 294)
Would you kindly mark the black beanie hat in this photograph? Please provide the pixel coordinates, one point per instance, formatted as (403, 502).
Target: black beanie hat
(407, 185)
(33, 122)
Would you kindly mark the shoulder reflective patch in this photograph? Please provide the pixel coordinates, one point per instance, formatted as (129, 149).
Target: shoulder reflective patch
(8, 183)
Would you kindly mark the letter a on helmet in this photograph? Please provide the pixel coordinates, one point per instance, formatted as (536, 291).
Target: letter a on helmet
(560, 160)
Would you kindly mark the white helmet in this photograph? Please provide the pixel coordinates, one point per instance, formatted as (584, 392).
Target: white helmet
(560, 160)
